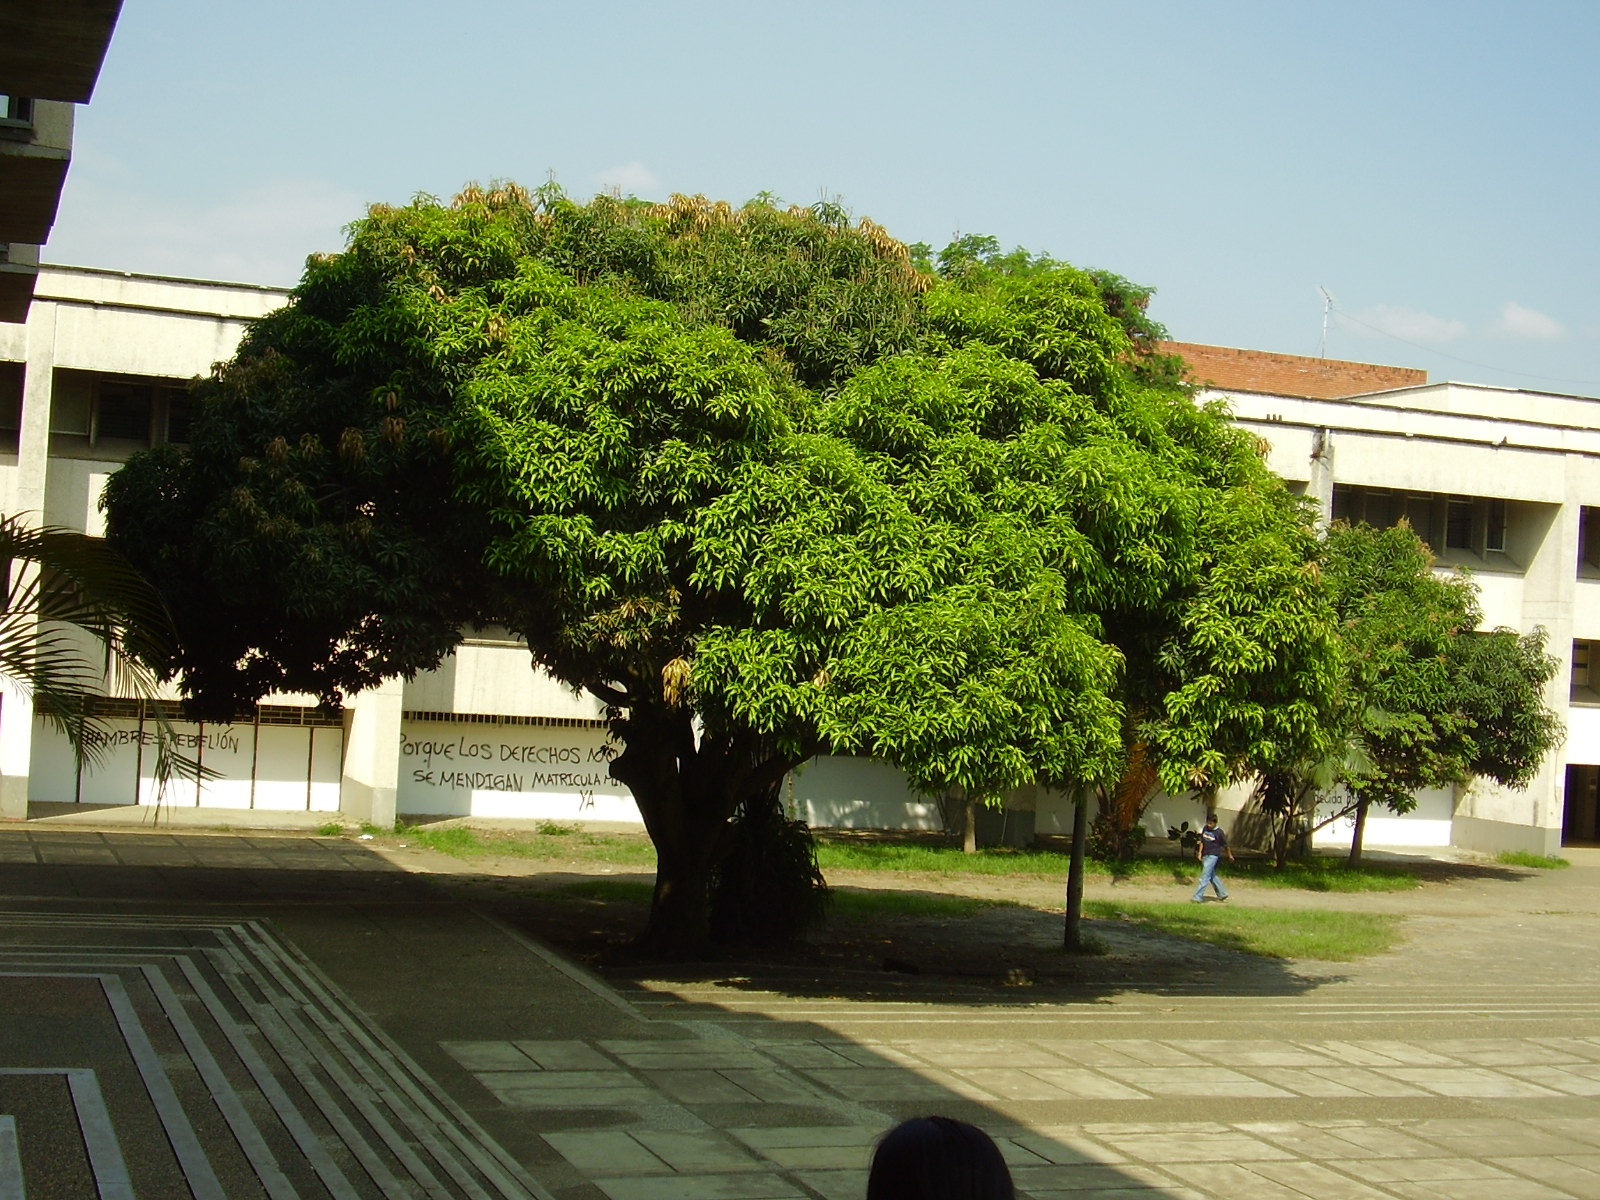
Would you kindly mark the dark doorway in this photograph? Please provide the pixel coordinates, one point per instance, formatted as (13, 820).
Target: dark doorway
(1580, 821)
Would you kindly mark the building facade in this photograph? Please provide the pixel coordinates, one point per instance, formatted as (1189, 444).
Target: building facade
(1505, 483)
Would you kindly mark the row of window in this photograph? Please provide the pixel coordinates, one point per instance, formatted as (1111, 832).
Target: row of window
(1474, 524)
(112, 415)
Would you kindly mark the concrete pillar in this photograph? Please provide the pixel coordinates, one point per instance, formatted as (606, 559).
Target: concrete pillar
(33, 458)
(369, 780)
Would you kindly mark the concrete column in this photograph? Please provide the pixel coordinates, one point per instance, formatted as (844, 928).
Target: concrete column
(1319, 486)
(33, 458)
(370, 778)
(1490, 817)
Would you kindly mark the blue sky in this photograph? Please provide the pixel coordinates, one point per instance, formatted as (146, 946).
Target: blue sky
(1431, 163)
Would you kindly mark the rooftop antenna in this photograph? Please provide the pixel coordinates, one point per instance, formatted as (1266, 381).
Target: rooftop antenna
(1327, 307)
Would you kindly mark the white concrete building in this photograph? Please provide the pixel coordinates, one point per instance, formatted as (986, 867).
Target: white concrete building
(1504, 482)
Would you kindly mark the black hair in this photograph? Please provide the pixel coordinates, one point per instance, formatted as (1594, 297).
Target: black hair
(937, 1158)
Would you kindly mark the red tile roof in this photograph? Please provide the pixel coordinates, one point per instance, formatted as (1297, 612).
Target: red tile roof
(1230, 370)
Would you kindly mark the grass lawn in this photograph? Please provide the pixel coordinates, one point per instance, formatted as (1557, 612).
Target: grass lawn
(848, 904)
(1327, 936)
(1523, 858)
(551, 841)
(844, 852)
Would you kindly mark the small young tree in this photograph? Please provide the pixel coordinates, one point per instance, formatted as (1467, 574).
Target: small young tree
(1427, 701)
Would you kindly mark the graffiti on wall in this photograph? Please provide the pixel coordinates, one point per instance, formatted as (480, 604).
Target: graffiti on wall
(515, 770)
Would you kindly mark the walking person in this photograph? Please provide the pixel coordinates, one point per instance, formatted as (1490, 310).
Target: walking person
(1213, 845)
(938, 1158)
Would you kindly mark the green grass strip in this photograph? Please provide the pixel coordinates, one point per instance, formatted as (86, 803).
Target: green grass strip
(1523, 858)
(1268, 933)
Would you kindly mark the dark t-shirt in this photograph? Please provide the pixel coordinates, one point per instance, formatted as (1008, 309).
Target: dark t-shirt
(1213, 841)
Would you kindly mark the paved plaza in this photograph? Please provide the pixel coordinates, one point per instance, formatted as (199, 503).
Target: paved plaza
(232, 1015)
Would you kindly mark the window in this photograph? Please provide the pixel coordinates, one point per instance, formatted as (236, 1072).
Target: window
(10, 404)
(1580, 663)
(122, 411)
(1450, 525)
(114, 415)
(16, 112)
(1495, 534)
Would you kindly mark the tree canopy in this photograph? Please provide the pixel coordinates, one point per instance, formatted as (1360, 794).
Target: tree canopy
(758, 482)
(1428, 701)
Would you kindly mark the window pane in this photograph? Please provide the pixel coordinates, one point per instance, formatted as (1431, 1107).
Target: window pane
(123, 411)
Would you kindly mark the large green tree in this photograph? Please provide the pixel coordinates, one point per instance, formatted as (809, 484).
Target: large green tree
(754, 480)
(1427, 701)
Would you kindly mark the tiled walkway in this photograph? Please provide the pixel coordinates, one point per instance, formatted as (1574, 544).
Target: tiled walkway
(1386, 1158)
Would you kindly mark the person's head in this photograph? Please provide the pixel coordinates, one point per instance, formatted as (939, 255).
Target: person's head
(936, 1158)
(1211, 819)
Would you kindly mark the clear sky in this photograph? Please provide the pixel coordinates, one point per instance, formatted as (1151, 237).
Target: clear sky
(1433, 164)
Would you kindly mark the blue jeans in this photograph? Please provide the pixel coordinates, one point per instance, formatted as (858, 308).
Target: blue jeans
(1208, 875)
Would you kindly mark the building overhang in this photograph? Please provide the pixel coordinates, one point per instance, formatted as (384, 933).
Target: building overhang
(52, 49)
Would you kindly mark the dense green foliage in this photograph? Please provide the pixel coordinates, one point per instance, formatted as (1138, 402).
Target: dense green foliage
(759, 483)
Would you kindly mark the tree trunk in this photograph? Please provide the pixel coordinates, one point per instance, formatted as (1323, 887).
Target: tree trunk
(1072, 934)
(685, 798)
(969, 825)
(1360, 833)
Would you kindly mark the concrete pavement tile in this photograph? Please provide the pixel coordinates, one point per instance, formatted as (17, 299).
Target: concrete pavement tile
(1501, 1052)
(1006, 1084)
(1188, 1081)
(1105, 1129)
(698, 1187)
(1229, 1146)
(817, 1158)
(1518, 1141)
(835, 1185)
(1579, 1129)
(1241, 1183)
(1471, 1082)
(1017, 1155)
(1373, 1141)
(1081, 1084)
(991, 1054)
(1367, 1082)
(1097, 1179)
(1157, 1054)
(1419, 1170)
(1315, 1180)
(770, 1086)
(567, 1089)
(607, 1152)
(705, 1059)
(687, 1152)
(878, 1054)
(1407, 1054)
(569, 1055)
(1584, 1048)
(1098, 1055)
(1574, 1081)
(1309, 1083)
(1260, 1054)
(866, 1083)
(1159, 1192)
(698, 1087)
(1480, 1189)
(488, 1056)
(768, 1140)
(1304, 1141)
(1067, 1148)
(803, 1054)
(1558, 1172)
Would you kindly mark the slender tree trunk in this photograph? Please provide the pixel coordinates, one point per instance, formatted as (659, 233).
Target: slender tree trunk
(1072, 934)
(1359, 834)
(969, 825)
